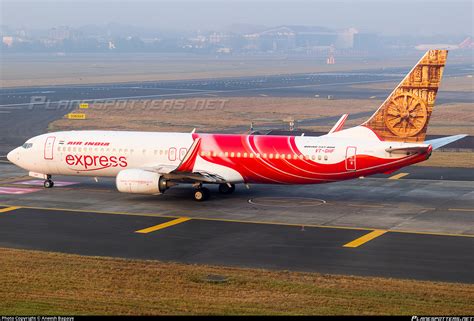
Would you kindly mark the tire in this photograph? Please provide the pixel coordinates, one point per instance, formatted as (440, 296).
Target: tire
(207, 193)
(225, 189)
(48, 183)
(201, 194)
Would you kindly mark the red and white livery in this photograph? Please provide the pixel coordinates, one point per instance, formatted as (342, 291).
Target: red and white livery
(152, 162)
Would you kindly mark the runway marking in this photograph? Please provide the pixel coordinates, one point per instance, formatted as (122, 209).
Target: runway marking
(163, 225)
(399, 175)
(461, 209)
(8, 209)
(366, 205)
(239, 221)
(18, 191)
(366, 238)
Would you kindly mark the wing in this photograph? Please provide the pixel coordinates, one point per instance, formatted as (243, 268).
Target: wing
(185, 171)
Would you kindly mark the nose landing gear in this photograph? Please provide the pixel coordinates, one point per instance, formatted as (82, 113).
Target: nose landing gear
(48, 183)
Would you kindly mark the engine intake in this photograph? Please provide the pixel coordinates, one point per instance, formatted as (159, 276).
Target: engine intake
(139, 181)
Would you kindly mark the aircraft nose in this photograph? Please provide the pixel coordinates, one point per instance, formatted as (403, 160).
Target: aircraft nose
(12, 156)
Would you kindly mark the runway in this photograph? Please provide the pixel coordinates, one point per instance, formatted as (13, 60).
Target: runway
(423, 228)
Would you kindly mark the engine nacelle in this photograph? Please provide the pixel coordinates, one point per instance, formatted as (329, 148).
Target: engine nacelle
(140, 181)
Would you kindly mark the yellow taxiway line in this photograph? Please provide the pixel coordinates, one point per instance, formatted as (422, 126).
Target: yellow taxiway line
(366, 238)
(56, 209)
(8, 209)
(163, 225)
(398, 176)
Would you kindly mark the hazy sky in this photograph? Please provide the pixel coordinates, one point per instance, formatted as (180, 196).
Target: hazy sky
(420, 17)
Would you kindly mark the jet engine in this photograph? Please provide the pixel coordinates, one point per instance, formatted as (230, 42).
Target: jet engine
(140, 181)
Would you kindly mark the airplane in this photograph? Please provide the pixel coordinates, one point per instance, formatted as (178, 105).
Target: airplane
(152, 162)
(465, 44)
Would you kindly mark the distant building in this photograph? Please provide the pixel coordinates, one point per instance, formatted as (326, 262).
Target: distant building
(63, 32)
(224, 50)
(286, 38)
(7, 40)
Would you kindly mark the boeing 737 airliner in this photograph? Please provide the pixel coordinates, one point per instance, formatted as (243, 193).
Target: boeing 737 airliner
(152, 162)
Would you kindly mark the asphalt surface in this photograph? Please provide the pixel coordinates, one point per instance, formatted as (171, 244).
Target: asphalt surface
(428, 225)
(399, 255)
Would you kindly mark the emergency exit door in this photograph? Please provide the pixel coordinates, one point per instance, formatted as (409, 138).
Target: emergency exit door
(49, 147)
(351, 158)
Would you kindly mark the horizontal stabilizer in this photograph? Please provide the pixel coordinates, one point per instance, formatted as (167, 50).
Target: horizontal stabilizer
(440, 142)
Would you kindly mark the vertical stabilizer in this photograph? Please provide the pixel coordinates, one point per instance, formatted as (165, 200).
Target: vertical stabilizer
(405, 114)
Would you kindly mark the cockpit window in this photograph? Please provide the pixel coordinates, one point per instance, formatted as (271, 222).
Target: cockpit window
(27, 145)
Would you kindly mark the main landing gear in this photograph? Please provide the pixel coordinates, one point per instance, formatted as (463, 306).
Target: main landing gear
(202, 193)
(226, 188)
(48, 183)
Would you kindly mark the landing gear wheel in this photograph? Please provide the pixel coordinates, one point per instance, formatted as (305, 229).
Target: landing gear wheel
(201, 194)
(48, 183)
(225, 189)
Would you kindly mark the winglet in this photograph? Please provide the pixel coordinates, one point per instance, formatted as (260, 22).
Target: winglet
(340, 123)
(187, 164)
